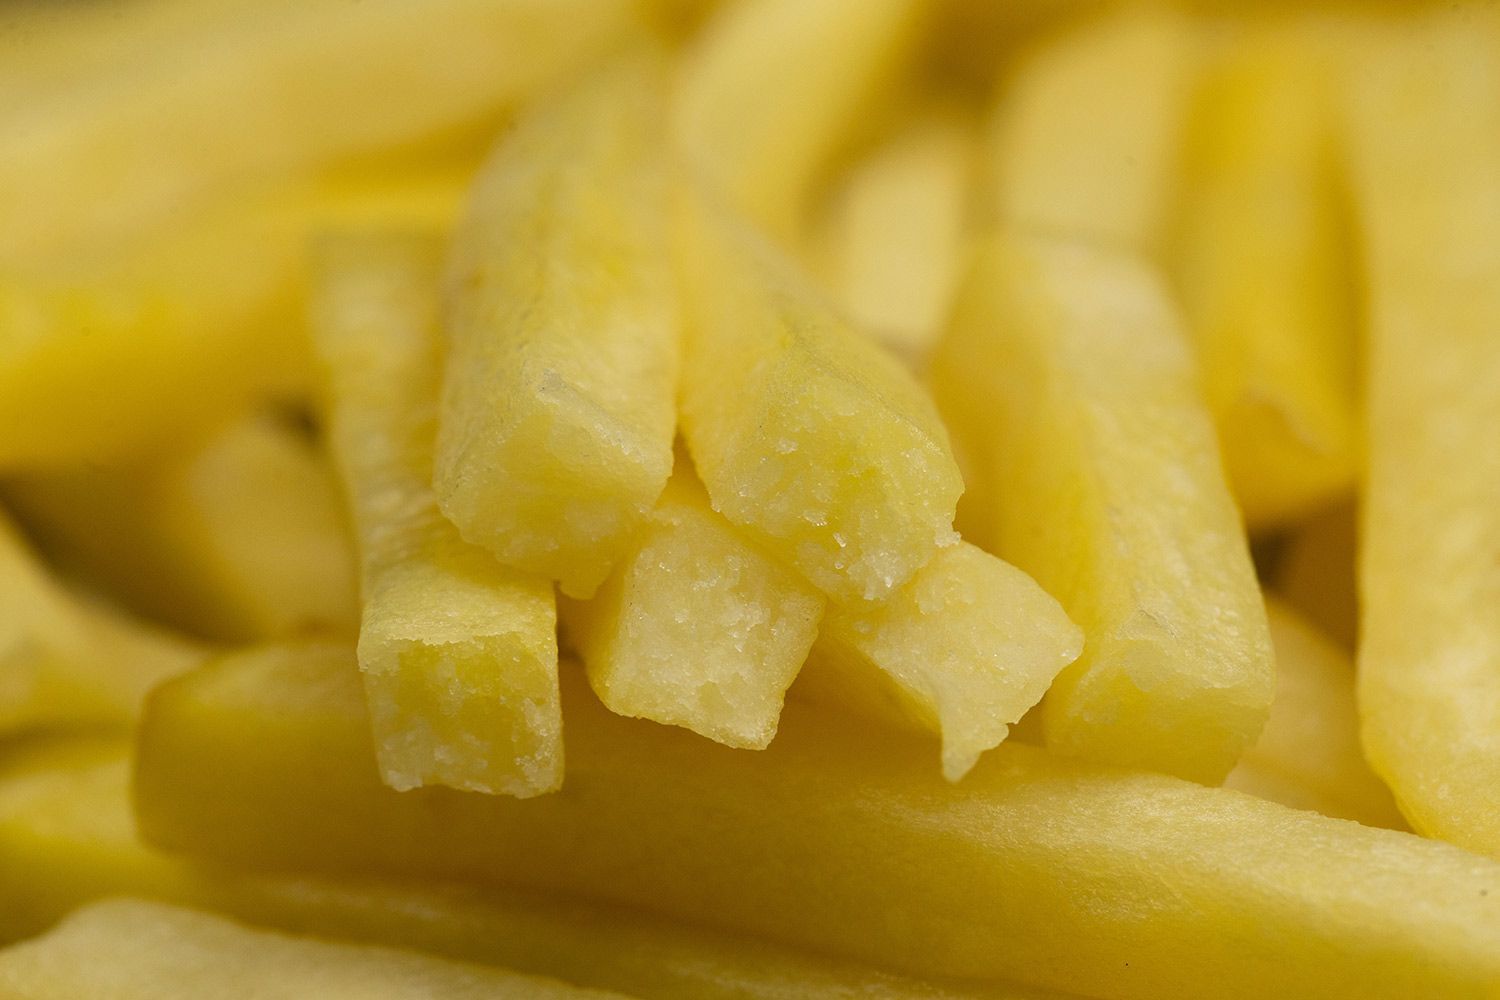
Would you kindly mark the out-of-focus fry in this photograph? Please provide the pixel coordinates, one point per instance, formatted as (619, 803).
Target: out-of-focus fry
(775, 87)
(1424, 105)
(1091, 879)
(1308, 756)
(1315, 572)
(240, 538)
(808, 435)
(458, 653)
(1260, 257)
(1067, 374)
(558, 405)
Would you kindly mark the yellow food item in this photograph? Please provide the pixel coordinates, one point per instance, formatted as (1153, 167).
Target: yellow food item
(806, 434)
(1315, 572)
(1426, 164)
(1087, 125)
(697, 627)
(1065, 874)
(1066, 372)
(773, 88)
(241, 537)
(892, 240)
(129, 949)
(555, 437)
(1261, 260)
(962, 651)
(459, 653)
(66, 662)
(1308, 755)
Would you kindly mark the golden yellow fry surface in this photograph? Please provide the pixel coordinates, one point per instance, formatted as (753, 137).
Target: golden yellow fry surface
(561, 377)
(1426, 154)
(1065, 874)
(1066, 373)
(459, 653)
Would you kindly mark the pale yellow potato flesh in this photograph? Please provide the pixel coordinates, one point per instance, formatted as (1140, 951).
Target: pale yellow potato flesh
(696, 626)
(1087, 125)
(1065, 874)
(557, 420)
(130, 949)
(772, 89)
(238, 537)
(1315, 572)
(1067, 374)
(962, 651)
(458, 652)
(67, 836)
(809, 436)
(1260, 256)
(1308, 756)
(1425, 149)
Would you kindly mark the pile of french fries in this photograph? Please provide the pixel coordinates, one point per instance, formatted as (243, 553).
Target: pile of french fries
(758, 498)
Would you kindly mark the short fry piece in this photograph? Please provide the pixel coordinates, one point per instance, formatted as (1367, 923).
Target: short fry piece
(807, 435)
(128, 949)
(1059, 872)
(561, 380)
(962, 650)
(1426, 163)
(697, 627)
(459, 653)
(1066, 372)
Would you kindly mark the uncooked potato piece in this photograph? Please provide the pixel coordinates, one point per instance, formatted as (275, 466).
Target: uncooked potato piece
(559, 390)
(1425, 149)
(806, 434)
(1066, 376)
(1066, 874)
(458, 653)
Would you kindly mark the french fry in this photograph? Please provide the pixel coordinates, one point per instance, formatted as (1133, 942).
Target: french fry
(240, 538)
(891, 242)
(961, 651)
(254, 96)
(458, 653)
(129, 949)
(773, 89)
(1425, 149)
(807, 435)
(1065, 370)
(555, 437)
(1087, 126)
(697, 627)
(1061, 873)
(67, 837)
(1308, 756)
(1259, 256)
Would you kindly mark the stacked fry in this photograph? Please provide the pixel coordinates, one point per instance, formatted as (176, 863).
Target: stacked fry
(771, 498)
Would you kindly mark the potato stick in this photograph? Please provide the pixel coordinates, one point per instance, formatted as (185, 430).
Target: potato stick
(962, 651)
(1425, 122)
(1086, 129)
(697, 627)
(130, 949)
(558, 401)
(1315, 573)
(774, 88)
(807, 435)
(67, 836)
(1261, 261)
(257, 97)
(241, 537)
(1060, 873)
(1066, 370)
(67, 662)
(102, 363)
(1308, 756)
(891, 242)
(458, 653)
